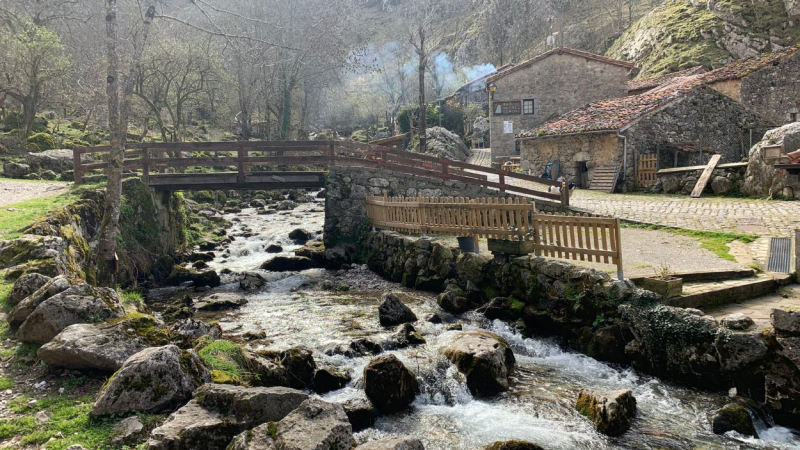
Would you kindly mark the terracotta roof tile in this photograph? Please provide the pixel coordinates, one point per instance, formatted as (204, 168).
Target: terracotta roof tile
(560, 50)
(741, 68)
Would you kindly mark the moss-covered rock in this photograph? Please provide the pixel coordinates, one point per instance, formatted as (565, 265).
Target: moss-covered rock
(512, 445)
(198, 278)
(733, 417)
(485, 359)
(610, 412)
(42, 141)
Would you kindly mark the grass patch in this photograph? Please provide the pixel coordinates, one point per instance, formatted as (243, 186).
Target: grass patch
(5, 289)
(131, 299)
(29, 211)
(6, 383)
(225, 358)
(714, 241)
(26, 349)
(70, 417)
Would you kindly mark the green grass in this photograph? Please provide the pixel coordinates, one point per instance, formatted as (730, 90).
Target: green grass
(713, 241)
(5, 289)
(225, 357)
(70, 417)
(6, 383)
(12, 222)
(131, 298)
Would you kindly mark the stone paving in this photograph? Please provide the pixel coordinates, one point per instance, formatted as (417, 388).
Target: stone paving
(760, 308)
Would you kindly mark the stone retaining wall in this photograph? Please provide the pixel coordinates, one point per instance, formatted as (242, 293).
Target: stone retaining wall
(604, 318)
(723, 182)
(348, 188)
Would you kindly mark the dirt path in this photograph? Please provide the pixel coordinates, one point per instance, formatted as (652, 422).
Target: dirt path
(13, 191)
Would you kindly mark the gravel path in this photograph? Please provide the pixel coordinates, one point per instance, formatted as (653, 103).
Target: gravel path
(20, 191)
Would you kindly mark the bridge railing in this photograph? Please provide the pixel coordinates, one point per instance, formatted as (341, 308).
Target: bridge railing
(575, 237)
(247, 157)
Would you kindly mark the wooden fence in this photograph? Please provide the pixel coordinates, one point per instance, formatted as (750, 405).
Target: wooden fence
(576, 237)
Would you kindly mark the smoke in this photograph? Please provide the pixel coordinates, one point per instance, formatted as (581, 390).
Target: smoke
(478, 71)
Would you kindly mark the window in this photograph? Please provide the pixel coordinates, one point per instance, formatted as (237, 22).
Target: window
(528, 107)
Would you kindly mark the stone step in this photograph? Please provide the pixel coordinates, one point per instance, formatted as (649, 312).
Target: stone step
(709, 296)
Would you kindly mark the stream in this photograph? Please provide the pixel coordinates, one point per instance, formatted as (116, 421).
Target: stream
(308, 309)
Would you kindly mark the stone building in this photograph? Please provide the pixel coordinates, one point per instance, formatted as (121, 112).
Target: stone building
(541, 89)
(767, 85)
(682, 122)
(636, 87)
(474, 92)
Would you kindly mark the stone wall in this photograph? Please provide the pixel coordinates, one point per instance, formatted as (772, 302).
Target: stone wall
(348, 188)
(594, 149)
(607, 319)
(558, 84)
(773, 92)
(723, 182)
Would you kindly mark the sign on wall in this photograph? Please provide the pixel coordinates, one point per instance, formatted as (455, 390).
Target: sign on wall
(508, 127)
(507, 108)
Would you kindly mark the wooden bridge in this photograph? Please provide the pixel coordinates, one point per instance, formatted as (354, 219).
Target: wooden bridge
(246, 165)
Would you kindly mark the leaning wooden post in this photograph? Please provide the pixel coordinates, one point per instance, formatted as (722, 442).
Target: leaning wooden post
(502, 181)
(618, 239)
(146, 166)
(76, 164)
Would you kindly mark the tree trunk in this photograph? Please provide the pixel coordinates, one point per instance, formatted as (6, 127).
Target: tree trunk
(286, 113)
(423, 108)
(28, 113)
(118, 130)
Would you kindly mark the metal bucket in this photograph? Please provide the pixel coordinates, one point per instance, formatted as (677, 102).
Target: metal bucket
(466, 244)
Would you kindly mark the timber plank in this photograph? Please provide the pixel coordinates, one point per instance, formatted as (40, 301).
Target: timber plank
(704, 179)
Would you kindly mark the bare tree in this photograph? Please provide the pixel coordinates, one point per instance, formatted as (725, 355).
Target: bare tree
(119, 108)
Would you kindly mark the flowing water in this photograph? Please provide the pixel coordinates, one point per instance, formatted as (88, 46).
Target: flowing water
(303, 309)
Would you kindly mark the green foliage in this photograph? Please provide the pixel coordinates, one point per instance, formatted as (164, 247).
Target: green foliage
(26, 349)
(6, 383)
(42, 141)
(405, 115)
(360, 136)
(225, 358)
(601, 321)
(72, 382)
(132, 299)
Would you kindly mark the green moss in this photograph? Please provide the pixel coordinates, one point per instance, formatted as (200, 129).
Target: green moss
(6, 383)
(42, 141)
(713, 241)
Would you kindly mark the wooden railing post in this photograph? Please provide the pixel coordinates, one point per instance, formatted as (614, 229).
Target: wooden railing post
(618, 247)
(146, 166)
(564, 197)
(331, 154)
(240, 163)
(76, 164)
(502, 182)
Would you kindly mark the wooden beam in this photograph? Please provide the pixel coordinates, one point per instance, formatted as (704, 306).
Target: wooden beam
(704, 179)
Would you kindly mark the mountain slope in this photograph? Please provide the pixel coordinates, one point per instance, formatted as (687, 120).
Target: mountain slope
(685, 33)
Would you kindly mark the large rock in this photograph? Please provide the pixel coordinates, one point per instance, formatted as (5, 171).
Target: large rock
(16, 170)
(453, 299)
(58, 161)
(763, 179)
(389, 385)
(219, 301)
(392, 311)
(78, 304)
(734, 416)
(92, 347)
(512, 445)
(128, 432)
(785, 322)
(294, 367)
(470, 266)
(361, 413)
(219, 413)
(485, 359)
(288, 264)
(393, 444)
(327, 379)
(739, 350)
(610, 412)
(25, 286)
(29, 247)
(722, 185)
(154, 380)
(442, 144)
(251, 282)
(198, 278)
(315, 425)
(28, 304)
(300, 235)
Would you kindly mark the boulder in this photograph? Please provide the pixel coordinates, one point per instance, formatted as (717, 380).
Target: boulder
(739, 350)
(469, 267)
(198, 278)
(300, 236)
(288, 264)
(128, 432)
(610, 412)
(485, 359)
(78, 304)
(186, 331)
(442, 143)
(58, 161)
(92, 347)
(512, 445)
(26, 306)
(498, 308)
(785, 322)
(453, 300)
(154, 380)
(219, 413)
(392, 311)
(294, 367)
(361, 413)
(286, 205)
(220, 301)
(737, 321)
(762, 178)
(251, 282)
(327, 379)
(25, 286)
(389, 385)
(16, 170)
(393, 444)
(733, 416)
(274, 248)
(355, 349)
(259, 438)
(671, 185)
(722, 185)
(315, 425)
(28, 248)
